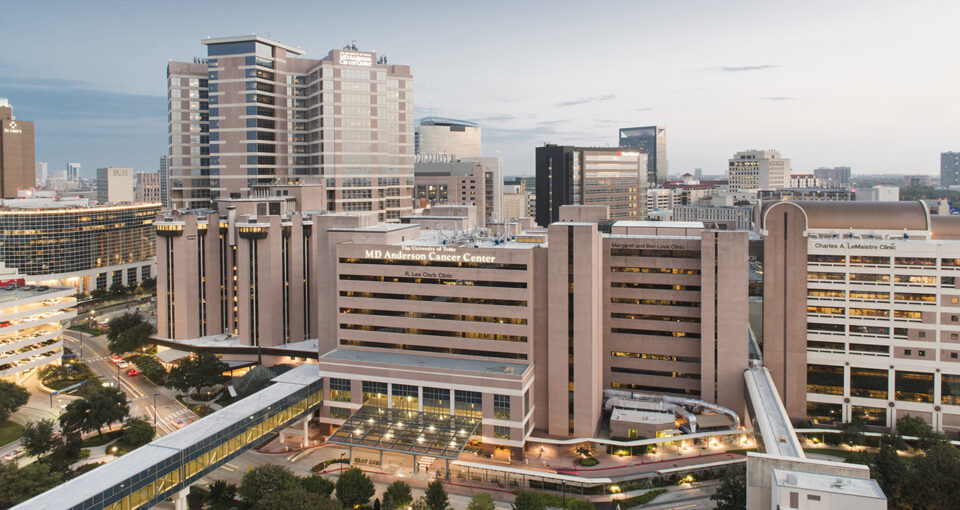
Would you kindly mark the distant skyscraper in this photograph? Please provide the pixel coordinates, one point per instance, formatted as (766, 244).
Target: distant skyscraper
(651, 140)
(753, 169)
(18, 158)
(949, 168)
(837, 176)
(569, 175)
(148, 187)
(165, 181)
(254, 112)
(73, 172)
(115, 185)
(455, 139)
(41, 175)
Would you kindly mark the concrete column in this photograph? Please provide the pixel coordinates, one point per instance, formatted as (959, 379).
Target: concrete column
(419, 404)
(306, 431)
(389, 395)
(180, 499)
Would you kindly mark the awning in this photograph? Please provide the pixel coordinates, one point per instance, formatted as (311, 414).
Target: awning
(413, 432)
(171, 355)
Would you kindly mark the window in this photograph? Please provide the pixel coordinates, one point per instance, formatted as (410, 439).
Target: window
(954, 336)
(375, 393)
(632, 433)
(953, 355)
(340, 390)
(868, 382)
(908, 352)
(468, 403)
(921, 352)
(950, 387)
(405, 397)
(870, 415)
(914, 386)
(436, 400)
(922, 334)
(340, 413)
(825, 379)
(501, 407)
(819, 412)
(526, 403)
(500, 432)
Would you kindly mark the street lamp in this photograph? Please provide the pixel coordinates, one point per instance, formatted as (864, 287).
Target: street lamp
(341, 464)
(563, 486)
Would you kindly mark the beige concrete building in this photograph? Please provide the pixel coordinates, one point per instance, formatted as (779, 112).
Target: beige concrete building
(525, 329)
(862, 310)
(755, 169)
(115, 185)
(148, 187)
(440, 139)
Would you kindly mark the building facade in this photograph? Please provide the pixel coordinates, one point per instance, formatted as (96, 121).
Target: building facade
(568, 175)
(69, 242)
(524, 331)
(862, 311)
(255, 112)
(949, 168)
(41, 173)
(837, 176)
(443, 139)
(652, 141)
(31, 323)
(729, 217)
(114, 185)
(165, 181)
(148, 187)
(73, 172)
(18, 157)
(754, 169)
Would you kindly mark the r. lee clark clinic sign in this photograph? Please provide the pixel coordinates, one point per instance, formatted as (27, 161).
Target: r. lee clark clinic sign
(431, 253)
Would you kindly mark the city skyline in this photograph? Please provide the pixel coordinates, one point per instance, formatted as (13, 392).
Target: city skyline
(719, 81)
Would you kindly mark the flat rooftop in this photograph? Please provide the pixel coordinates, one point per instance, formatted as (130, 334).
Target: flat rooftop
(863, 487)
(648, 417)
(659, 224)
(413, 360)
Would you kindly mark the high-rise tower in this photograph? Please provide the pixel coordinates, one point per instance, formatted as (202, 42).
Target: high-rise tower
(254, 112)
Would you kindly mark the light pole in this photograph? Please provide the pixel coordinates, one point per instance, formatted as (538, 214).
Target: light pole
(341, 465)
(563, 485)
(156, 411)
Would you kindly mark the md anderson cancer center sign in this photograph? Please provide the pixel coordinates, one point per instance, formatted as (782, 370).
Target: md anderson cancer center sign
(428, 253)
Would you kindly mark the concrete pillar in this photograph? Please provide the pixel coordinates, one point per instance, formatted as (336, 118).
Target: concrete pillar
(180, 499)
(414, 463)
(306, 432)
(381, 460)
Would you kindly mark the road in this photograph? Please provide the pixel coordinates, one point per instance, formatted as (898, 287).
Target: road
(140, 392)
(685, 498)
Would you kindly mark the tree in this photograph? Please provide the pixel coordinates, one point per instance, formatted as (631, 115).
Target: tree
(137, 431)
(20, 484)
(66, 452)
(919, 428)
(128, 332)
(293, 499)
(151, 369)
(354, 488)
(890, 472)
(12, 397)
(102, 406)
(397, 495)
(39, 437)
(265, 480)
(481, 501)
(222, 492)
(205, 369)
(149, 284)
(852, 433)
(436, 496)
(933, 481)
(117, 290)
(528, 501)
(317, 485)
(732, 493)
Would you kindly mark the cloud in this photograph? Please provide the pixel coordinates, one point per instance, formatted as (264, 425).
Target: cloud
(55, 98)
(502, 117)
(741, 69)
(779, 98)
(585, 100)
(643, 109)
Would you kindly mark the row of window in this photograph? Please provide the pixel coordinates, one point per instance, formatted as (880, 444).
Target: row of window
(876, 296)
(873, 383)
(441, 299)
(441, 316)
(435, 332)
(435, 281)
(871, 260)
(435, 400)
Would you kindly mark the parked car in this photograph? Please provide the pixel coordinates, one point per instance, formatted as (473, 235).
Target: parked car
(16, 454)
(132, 372)
(116, 359)
(123, 364)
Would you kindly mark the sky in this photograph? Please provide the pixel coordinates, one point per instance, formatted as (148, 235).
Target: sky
(868, 84)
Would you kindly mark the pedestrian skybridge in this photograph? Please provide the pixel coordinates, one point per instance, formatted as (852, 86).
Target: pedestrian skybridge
(157, 471)
(406, 431)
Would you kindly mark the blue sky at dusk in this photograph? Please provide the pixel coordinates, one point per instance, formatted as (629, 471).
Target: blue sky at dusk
(872, 85)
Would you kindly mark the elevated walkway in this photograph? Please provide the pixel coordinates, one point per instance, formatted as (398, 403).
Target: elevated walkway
(771, 424)
(159, 470)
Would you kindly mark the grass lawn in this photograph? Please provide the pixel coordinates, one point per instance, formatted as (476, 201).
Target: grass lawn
(86, 328)
(642, 499)
(96, 440)
(9, 432)
(835, 452)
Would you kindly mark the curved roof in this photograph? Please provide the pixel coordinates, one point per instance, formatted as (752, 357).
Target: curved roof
(945, 226)
(443, 121)
(860, 215)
